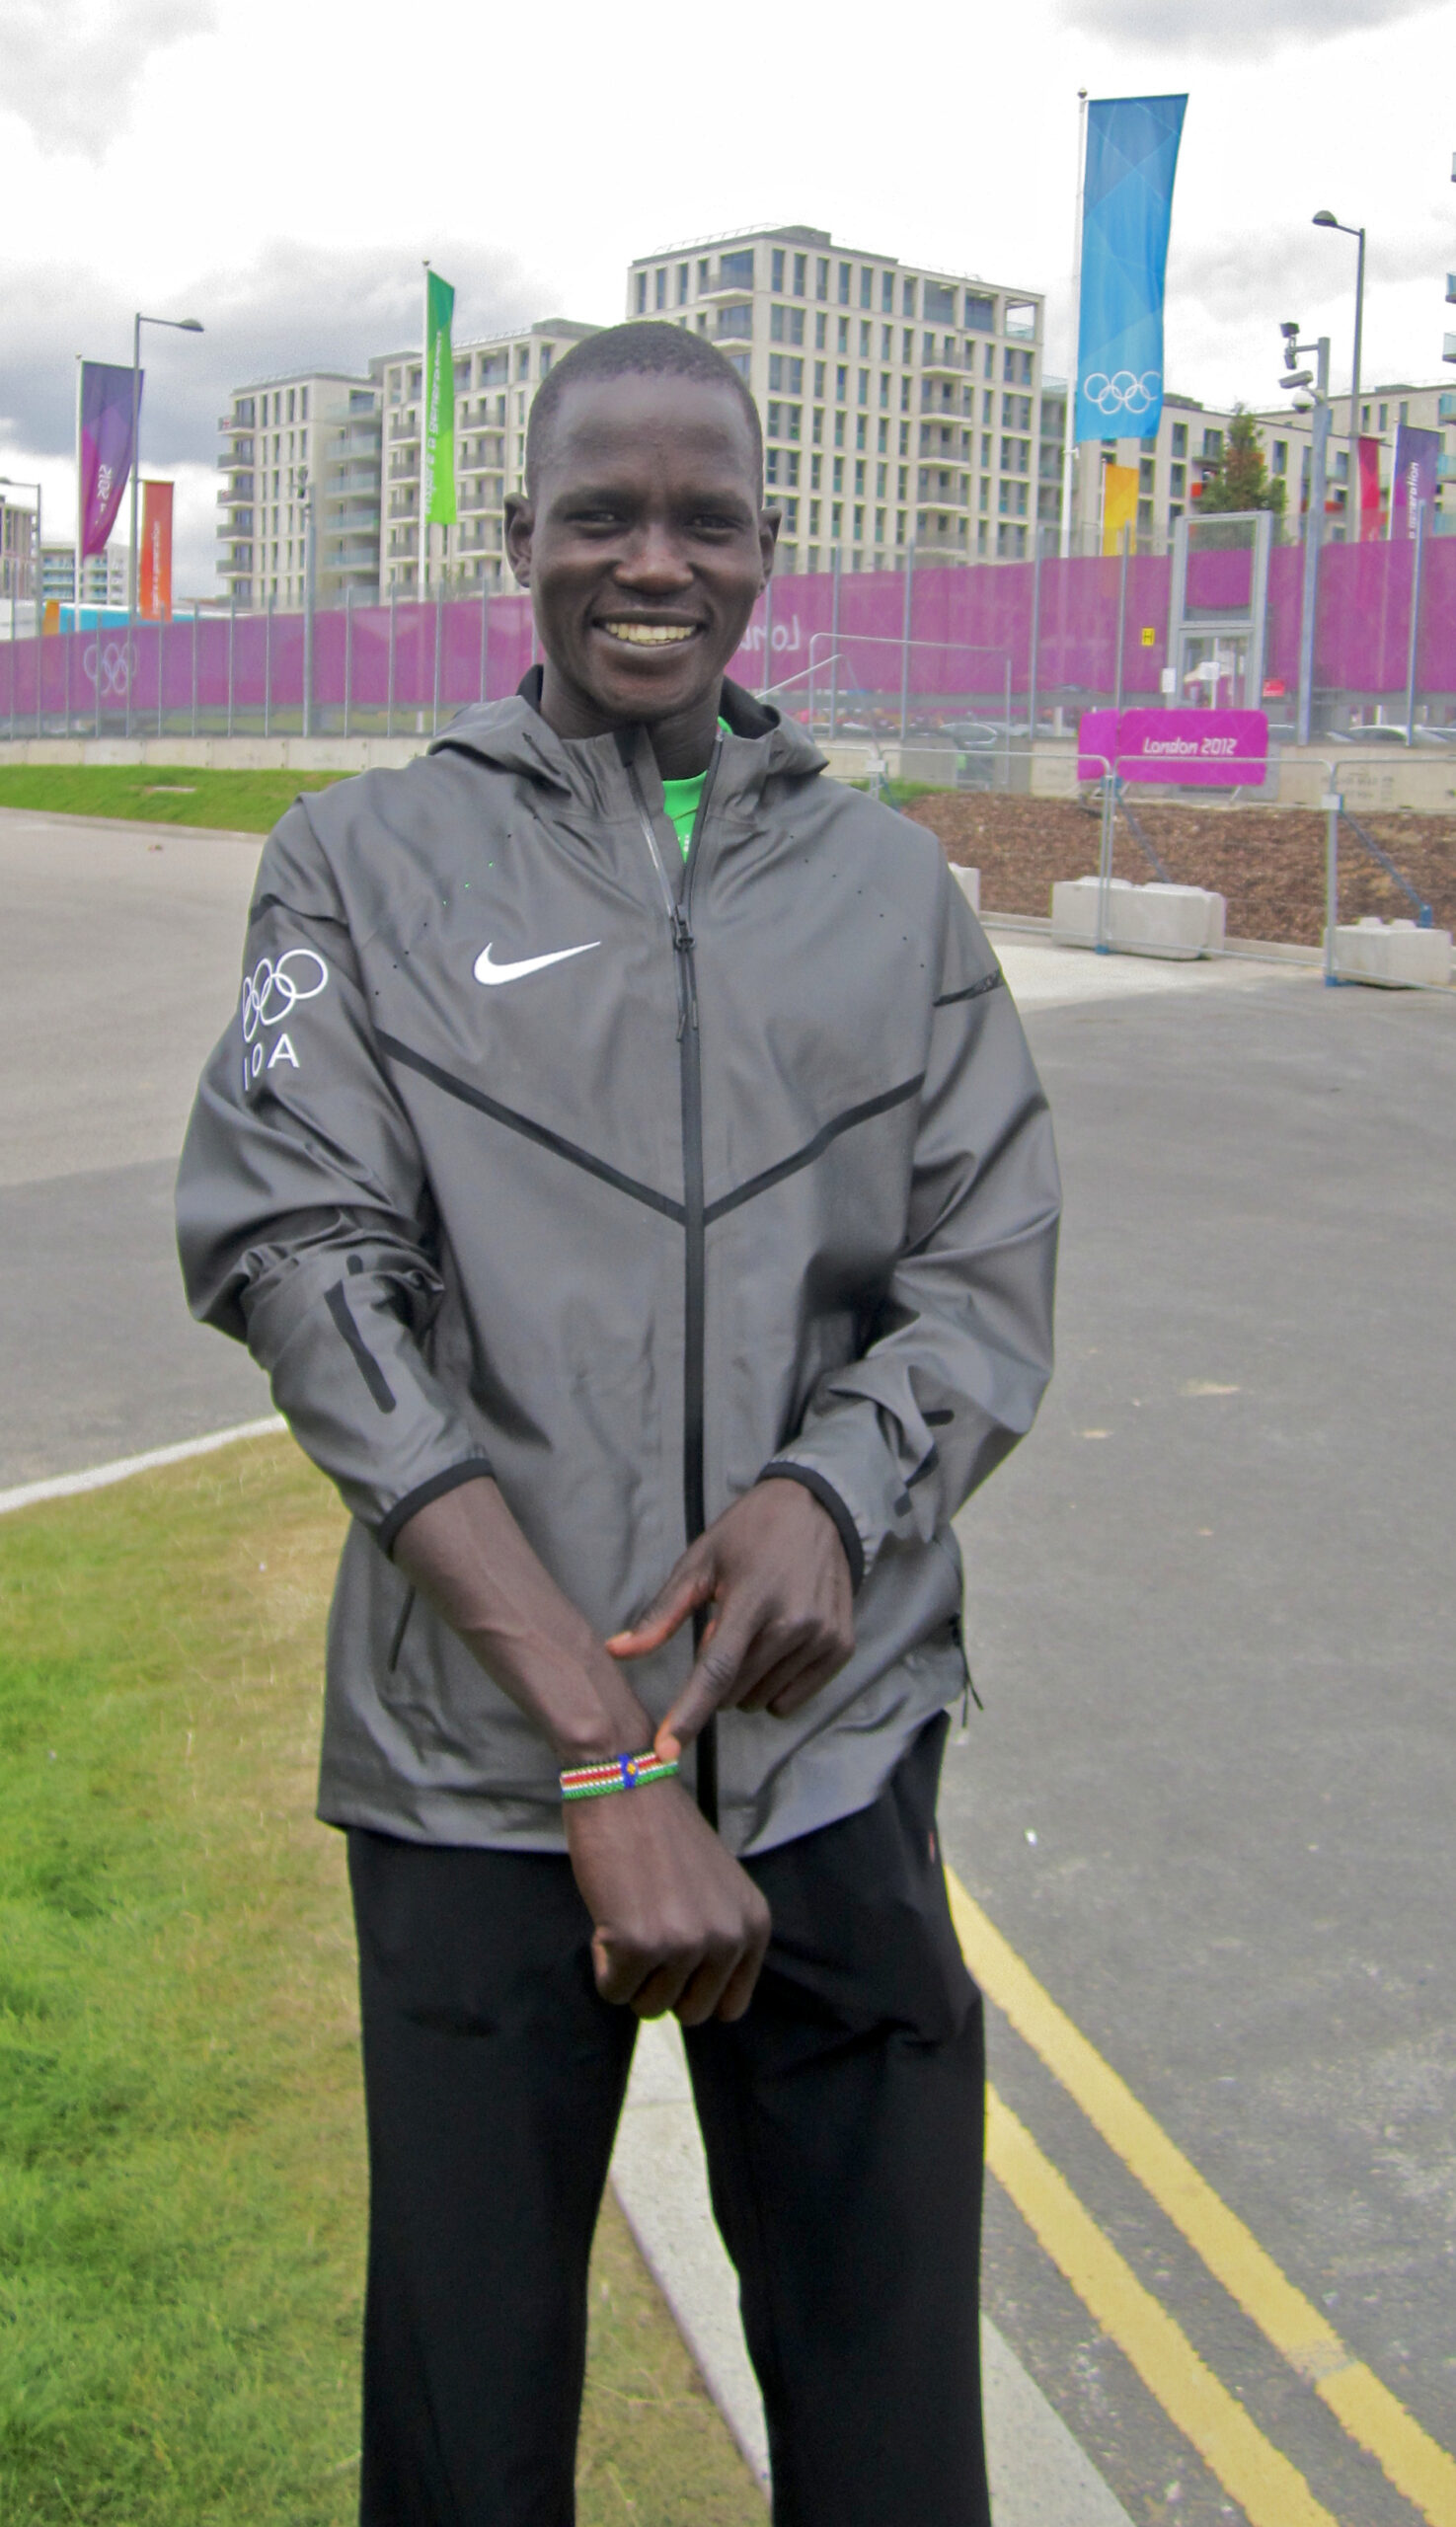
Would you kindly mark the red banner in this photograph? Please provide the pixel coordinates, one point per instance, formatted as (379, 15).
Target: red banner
(154, 595)
(1369, 490)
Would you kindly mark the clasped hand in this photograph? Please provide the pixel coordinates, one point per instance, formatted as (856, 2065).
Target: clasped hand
(775, 1573)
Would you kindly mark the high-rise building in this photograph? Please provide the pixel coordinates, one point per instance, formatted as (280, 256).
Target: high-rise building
(901, 407)
(313, 437)
(495, 383)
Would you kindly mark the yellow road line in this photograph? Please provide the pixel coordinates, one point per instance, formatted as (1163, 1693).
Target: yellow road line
(1417, 2466)
(1270, 2492)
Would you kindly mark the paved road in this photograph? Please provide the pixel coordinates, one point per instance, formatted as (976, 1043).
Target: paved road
(1209, 1802)
(118, 969)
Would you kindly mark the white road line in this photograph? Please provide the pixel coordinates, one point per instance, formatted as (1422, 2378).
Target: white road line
(61, 1487)
(1040, 2476)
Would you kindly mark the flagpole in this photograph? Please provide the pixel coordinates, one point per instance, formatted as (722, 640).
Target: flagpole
(425, 441)
(1069, 443)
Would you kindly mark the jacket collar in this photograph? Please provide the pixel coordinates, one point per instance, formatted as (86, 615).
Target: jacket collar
(513, 735)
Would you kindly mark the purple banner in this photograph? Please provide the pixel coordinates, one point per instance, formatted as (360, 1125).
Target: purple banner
(1412, 480)
(105, 450)
(1198, 749)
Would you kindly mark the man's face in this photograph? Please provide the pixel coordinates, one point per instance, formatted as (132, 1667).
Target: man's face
(643, 546)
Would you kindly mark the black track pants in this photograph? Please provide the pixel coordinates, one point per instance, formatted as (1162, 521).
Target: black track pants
(843, 2119)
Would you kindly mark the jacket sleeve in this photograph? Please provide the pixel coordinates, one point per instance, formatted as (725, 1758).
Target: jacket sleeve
(304, 1221)
(961, 1349)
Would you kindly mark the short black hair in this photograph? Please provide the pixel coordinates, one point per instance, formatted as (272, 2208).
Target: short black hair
(634, 351)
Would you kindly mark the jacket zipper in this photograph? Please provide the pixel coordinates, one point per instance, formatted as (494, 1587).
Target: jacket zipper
(690, 1080)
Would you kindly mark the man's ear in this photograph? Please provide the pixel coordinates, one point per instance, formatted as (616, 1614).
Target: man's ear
(520, 525)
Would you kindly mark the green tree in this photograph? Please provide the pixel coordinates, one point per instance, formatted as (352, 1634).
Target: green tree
(1241, 479)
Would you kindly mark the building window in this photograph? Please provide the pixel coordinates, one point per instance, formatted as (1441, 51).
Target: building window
(1404, 416)
(846, 274)
(981, 313)
(821, 278)
(1213, 446)
(785, 376)
(1281, 455)
(1180, 438)
(682, 284)
(819, 380)
(907, 296)
(742, 361)
(736, 322)
(1145, 472)
(736, 270)
(841, 385)
(776, 267)
(885, 390)
(867, 286)
(863, 386)
(800, 275)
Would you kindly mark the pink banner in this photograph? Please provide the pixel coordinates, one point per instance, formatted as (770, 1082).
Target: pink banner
(1198, 749)
(971, 629)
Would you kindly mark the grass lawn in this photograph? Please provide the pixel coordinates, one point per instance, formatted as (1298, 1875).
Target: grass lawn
(182, 2180)
(237, 802)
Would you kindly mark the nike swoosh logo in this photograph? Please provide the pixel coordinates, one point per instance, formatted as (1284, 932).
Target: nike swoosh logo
(486, 973)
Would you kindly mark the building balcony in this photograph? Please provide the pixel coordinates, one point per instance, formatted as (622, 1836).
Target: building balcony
(237, 522)
(240, 453)
(943, 364)
(404, 469)
(237, 565)
(239, 489)
(403, 426)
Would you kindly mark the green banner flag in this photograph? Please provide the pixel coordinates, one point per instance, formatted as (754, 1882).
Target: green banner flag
(440, 403)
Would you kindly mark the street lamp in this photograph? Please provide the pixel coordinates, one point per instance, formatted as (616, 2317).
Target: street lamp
(1327, 219)
(1318, 380)
(175, 325)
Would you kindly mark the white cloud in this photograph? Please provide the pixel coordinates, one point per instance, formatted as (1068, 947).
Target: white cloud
(1248, 27)
(72, 67)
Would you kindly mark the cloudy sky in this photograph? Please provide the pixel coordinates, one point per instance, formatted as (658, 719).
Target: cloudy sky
(280, 169)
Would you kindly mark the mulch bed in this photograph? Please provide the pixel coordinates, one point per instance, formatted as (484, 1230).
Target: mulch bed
(1269, 863)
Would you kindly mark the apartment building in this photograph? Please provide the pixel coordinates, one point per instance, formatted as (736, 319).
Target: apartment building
(102, 575)
(310, 439)
(1174, 467)
(17, 551)
(495, 384)
(901, 407)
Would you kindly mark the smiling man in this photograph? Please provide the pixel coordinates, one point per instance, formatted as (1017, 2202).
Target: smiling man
(631, 1173)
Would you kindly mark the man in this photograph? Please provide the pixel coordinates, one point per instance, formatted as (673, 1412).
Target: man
(631, 1173)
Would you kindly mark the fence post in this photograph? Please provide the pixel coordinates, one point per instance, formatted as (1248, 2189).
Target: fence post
(98, 667)
(485, 638)
(348, 650)
(267, 665)
(232, 634)
(1123, 539)
(905, 623)
(389, 686)
(1105, 857)
(1331, 804)
(833, 644)
(439, 624)
(1007, 722)
(161, 667)
(1031, 668)
(195, 666)
(1417, 557)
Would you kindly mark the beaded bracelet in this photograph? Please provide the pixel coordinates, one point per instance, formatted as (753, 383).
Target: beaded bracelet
(616, 1772)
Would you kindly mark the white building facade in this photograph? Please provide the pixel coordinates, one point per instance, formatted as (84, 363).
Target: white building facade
(310, 439)
(901, 407)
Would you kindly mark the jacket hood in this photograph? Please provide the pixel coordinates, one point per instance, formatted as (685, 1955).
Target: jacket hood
(512, 735)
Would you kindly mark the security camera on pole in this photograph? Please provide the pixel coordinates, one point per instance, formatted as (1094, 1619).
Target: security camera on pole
(1317, 382)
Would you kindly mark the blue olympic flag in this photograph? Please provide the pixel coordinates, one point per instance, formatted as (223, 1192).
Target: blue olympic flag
(1127, 210)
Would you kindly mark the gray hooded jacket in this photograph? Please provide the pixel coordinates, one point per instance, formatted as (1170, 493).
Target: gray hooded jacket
(531, 1153)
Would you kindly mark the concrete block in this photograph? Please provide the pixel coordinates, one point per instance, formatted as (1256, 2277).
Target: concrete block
(1155, 920)
(970, 883)
(1394, 954)
(1054, 768)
